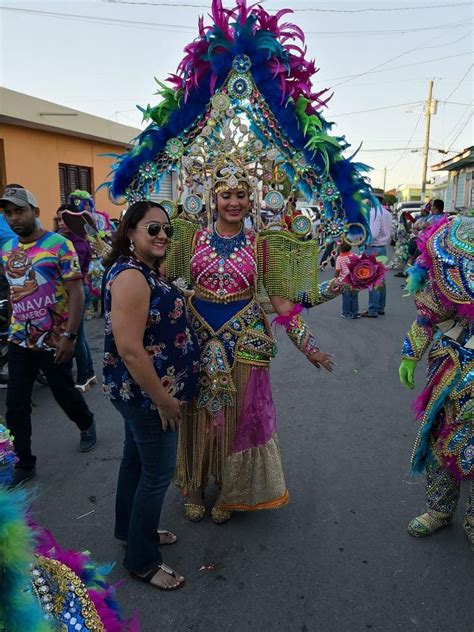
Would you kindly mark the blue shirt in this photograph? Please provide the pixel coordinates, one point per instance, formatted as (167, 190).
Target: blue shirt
(169, 340)
(6, 232)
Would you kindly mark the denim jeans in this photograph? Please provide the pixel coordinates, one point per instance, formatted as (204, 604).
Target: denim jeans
(23, 367)
(85, 367)
(378, 297)
(148, 465)
(350, 303)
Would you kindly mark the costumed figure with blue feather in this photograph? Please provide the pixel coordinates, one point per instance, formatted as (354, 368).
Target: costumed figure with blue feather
(442, 281)
(96, 227)
(242, 116)
(44, 588)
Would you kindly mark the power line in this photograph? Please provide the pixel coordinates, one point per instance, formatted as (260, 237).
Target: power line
(462, 127)
(386, 31)
(402, 155)
(301, 10)
(369, 151)
(386, 107)
(407, 52)
(416, 63)
(461, 130)
(191, 29)
(459, 83)
(455, 103)
(101, 20)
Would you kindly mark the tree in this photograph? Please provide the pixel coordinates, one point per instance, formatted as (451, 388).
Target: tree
(390, 199)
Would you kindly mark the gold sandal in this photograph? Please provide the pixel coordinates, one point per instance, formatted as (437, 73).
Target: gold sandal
(219, 516)
(469, 530)
(428, 523)
(193, 512)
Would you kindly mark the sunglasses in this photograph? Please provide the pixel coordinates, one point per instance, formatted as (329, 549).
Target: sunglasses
(154, 229)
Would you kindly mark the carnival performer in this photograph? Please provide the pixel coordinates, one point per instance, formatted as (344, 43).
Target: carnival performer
(241, 120)
(83, 202)
(442, 281)
(151, 365)
(85, 369)
(44, 588)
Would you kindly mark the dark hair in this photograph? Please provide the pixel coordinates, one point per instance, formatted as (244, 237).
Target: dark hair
(345, 246)
(121, 243)
(437, 204)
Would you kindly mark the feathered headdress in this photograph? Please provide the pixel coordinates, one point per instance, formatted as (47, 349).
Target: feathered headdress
(250, 66)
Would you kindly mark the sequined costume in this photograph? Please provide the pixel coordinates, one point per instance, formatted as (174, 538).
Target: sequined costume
(443, 279)
(229, 430)
(242, 113)
(44, 588)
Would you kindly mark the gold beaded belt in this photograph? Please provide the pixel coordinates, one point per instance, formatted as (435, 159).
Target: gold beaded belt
(208, 295)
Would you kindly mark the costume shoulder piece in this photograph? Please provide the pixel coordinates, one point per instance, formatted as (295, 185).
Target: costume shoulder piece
(178, 255)
(447, 260)
(242, 107)
(288, 267)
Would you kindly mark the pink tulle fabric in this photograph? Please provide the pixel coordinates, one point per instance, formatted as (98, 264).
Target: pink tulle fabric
(257, 422)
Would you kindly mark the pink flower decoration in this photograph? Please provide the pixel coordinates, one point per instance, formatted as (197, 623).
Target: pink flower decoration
(365, 272)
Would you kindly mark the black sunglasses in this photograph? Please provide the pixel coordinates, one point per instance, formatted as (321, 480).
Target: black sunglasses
(154, 229)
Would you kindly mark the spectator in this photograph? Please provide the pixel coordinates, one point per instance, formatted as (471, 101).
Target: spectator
(380, 221)
(350, 298)
(437, 211)
(47, 299)
(147, 374)
(6, 232)
(85, 368)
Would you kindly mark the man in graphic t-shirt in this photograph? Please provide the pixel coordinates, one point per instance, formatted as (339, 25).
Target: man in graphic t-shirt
(47, 299)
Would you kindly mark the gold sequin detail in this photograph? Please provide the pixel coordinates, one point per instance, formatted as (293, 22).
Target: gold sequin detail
(68, 581)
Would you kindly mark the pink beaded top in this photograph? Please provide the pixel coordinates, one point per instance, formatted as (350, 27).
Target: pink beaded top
(223, 269)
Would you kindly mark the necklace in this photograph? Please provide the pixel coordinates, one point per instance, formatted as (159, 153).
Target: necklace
(225, 246)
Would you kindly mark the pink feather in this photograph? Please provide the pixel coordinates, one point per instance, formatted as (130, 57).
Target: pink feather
(285, 320)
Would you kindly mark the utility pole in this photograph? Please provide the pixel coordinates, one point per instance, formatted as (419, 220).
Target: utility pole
(430, 108)
(384, 177)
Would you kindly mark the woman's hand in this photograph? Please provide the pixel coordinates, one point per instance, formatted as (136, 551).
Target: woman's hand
(170, 413)
(322, 359)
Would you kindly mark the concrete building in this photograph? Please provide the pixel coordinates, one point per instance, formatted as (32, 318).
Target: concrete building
(459, 193)
(52, 150)
(412, 193)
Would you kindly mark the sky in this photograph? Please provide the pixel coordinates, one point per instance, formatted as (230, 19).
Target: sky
(101, 57)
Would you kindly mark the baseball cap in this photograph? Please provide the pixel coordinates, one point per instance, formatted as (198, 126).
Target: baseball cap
(19, 197)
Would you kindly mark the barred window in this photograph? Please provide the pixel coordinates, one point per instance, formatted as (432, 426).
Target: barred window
(72, 177)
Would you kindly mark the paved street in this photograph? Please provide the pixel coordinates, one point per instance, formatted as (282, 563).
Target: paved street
(338, 557)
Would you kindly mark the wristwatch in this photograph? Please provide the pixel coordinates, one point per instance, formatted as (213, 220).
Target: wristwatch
(70, 335)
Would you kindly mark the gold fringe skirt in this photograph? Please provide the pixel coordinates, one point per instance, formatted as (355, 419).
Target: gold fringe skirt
(249, 480)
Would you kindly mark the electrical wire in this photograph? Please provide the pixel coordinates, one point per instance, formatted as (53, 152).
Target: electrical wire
(300, 10)
(107, 21)
(407, 52)
(386, 107)
(461, 130)
(402, 155)
(459, 83)
(416, 63)
(191, 29)
(461, 124)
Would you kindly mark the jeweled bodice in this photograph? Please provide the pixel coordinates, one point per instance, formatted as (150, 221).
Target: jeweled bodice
(223, 268)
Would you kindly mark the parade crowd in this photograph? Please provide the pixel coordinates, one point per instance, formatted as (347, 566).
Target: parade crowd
(190, 296)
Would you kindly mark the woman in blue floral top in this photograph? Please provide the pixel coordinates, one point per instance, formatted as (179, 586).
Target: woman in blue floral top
(151, 364)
